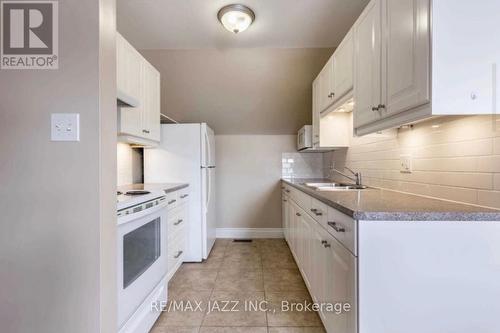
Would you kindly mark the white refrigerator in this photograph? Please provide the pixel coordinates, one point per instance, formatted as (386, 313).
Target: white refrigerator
(187, 155)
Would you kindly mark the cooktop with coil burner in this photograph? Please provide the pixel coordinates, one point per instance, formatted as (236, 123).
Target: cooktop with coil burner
(133, 194)
(137, 192)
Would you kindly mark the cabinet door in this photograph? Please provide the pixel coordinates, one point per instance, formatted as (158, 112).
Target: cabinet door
(367, 64)
(339, 285)
(130, 119)
(343, 69)
(406, 55)
(284, 216)
(315, 111)
(151, 110)
(292, 230)
(127, 68)
(318, 255)
(326, 86)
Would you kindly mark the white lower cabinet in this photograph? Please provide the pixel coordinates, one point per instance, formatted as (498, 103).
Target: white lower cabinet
(178, 219)
(396, 276)
(326, 264)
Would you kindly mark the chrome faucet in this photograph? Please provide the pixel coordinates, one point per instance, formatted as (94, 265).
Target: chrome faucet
(357, 175)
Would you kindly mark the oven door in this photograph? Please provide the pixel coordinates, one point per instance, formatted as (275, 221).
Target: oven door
(142, 258)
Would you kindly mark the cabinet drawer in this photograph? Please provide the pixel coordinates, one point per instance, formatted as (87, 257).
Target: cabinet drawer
(303, 200)
(343, 228)
(319, 212)
(171, 200)
(176, 249)
(177, 221)
(285, 189)
(182, 196)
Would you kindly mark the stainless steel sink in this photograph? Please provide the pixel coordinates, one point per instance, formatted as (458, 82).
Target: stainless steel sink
(334, 186)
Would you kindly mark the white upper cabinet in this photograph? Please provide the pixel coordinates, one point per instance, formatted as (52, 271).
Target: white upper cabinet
(343, 68)
(326, 85)
(316, 112)
(406, 55)
(368, 52)
(151, 97)
(128, 71)
(415, 59)
(137, 80)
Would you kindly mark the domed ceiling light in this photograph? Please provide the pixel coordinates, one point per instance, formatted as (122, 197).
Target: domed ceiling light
(236, 18)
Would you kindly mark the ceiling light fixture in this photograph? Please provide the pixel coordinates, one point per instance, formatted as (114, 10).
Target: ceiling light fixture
(236, 18)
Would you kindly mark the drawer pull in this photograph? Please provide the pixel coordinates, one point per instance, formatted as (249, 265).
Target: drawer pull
(184, 196)
(316, 212)
(178, 222)
(336, 226)
(287, 191)
(172, 201)
(327, 245)
(284, 200)
(298, 214)
(323, 242)
(178, 254)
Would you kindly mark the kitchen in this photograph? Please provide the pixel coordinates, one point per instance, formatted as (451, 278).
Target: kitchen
(266, 156)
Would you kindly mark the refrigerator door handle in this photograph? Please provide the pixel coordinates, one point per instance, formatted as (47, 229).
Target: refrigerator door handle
(209, 149)
(209, 185)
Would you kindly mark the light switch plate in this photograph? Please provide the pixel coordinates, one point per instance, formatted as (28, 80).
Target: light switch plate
(406, 163)
(65, 127)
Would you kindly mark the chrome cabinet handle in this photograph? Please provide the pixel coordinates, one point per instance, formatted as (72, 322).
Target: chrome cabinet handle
(336, 226)
(178, 222)
(374, 108)
(184, 196)
(298, 214)
(331, 95)
(324, 242)
(145, 131)
(316, 212)
(326, 245)
(178, 254)
(284, 200)
(172, 201)
(381, 106)
(287, 191)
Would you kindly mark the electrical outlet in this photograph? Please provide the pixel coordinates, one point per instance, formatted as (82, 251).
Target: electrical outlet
(405, 163)
(65, 127)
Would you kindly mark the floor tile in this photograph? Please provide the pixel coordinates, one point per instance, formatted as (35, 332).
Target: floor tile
(280, 317)
(233, 309)
(233, 330)
(283, 280)
(249, 262)
(239, 279)
(275, 260)
(194, 279)
(162, 329)
(185, 308)
(296, 330)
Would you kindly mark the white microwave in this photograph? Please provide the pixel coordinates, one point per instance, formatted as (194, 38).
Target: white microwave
(304, 138)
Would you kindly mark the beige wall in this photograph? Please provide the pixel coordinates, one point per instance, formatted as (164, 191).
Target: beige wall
(58, 203)
(455, 158)
(248, 179)
(129, 164)
(239, 91)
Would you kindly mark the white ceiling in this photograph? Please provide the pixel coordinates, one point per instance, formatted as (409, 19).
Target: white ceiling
(192, 24)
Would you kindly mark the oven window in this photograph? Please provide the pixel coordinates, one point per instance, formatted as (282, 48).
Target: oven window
(141, 248)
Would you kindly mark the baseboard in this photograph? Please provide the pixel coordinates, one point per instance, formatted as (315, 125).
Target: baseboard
(238, 233)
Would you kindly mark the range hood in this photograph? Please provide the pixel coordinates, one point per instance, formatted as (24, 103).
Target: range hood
(126, 100)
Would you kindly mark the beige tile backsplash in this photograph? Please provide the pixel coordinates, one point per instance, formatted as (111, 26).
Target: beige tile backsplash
(455, 158)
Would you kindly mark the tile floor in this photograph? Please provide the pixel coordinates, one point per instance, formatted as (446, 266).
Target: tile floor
(235, 276)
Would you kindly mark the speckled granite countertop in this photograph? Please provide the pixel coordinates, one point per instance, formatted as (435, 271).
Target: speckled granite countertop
(375, 204)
